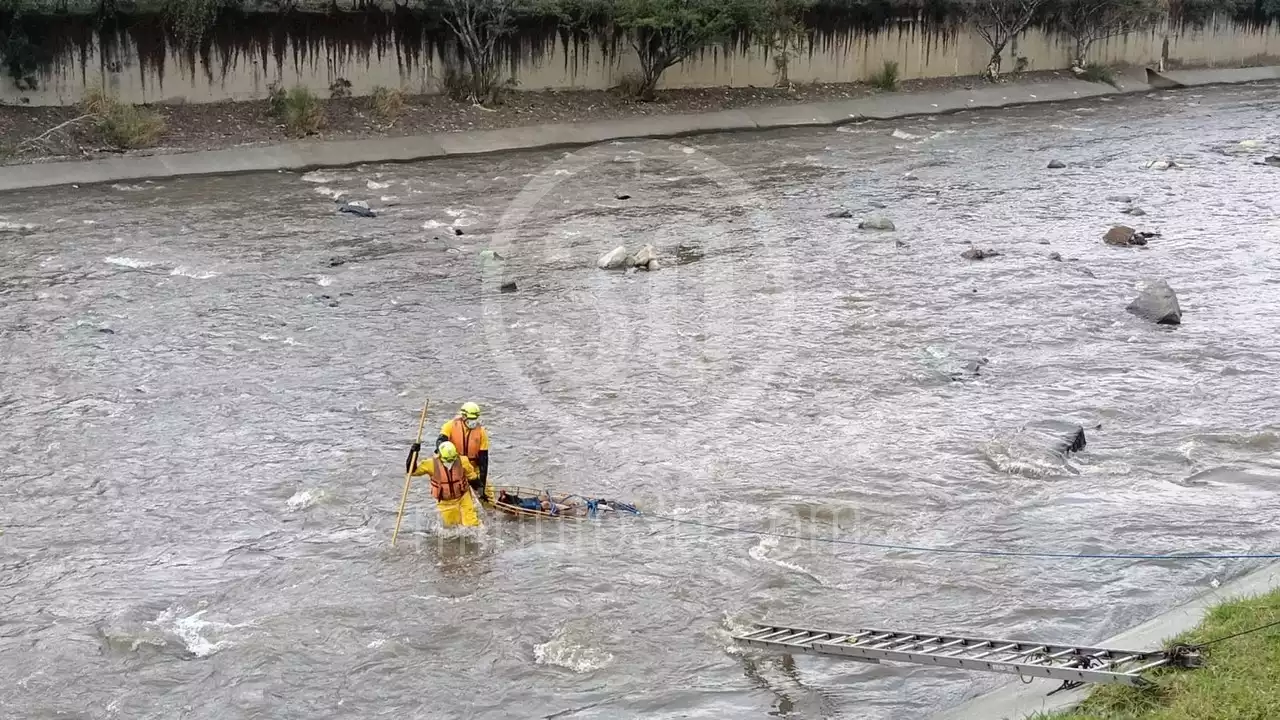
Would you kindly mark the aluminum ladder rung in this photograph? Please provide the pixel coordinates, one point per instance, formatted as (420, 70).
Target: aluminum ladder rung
(1026, 658)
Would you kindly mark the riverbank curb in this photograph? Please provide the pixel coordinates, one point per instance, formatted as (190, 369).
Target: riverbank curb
(345, 153)
(1018, 701)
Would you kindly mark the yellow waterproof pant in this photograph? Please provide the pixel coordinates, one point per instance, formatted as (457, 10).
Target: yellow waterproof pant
(461, 511)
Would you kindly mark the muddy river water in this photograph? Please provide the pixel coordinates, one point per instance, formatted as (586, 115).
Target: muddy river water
(208, 387)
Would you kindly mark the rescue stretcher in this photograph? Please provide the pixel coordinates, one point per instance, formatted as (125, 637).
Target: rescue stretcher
(533, 502)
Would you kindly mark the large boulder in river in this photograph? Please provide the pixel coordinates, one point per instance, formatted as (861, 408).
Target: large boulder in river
(1125, 236)
(1057, 435)
(876, 222)
(1157, 303)
(615, 259)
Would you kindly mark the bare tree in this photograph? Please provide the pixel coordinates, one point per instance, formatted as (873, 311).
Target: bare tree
(1000, 21)
(479, 26)
(1088, 21)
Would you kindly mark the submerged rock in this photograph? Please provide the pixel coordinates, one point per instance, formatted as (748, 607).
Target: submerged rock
(840, 214)
(876, 222)
(970, 370)
(1120, 198)
(1056, 164)
(508, 287)
(615, 259)
(1157, 303)
(979, 254)
(1058, 435)
(1272, 160)
(16, 227)
(1055, 256)
(1134, 210)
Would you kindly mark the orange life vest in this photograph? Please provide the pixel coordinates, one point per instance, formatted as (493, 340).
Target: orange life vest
(465, 439)
(448, 483)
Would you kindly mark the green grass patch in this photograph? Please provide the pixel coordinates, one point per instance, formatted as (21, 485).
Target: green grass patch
(1240, 679)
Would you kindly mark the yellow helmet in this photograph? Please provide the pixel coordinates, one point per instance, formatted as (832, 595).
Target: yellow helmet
(448, 452)
(470, 410)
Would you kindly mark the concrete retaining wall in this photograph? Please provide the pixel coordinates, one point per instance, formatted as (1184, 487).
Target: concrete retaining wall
(921, 50)
(305, 155)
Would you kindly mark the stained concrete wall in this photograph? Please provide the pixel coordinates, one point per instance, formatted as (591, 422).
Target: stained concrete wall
(921, 52)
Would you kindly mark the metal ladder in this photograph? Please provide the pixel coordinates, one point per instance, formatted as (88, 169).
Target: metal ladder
(1071, 664)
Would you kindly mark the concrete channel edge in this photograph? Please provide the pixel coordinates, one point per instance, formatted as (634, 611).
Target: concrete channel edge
(345, 153)
(1018, 701)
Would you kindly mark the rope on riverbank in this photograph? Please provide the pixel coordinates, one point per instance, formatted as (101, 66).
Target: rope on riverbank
(966, 551)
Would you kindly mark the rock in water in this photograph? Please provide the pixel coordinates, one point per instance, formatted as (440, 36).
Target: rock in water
(840, 214)
(357, 207)
(1157, 303)
(1061, 437)
(1125, 236)
(1272, 160)
(1134, 211)
(876, 223)
(979, 254)
(613, 260)
(642, 258)
(1056, 164)
(508, 287)
(1120, 236)
(1055, 256)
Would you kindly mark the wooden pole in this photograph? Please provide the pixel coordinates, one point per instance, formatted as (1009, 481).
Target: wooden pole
(408, 475)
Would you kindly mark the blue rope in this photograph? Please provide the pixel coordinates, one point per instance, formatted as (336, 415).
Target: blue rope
(962, 551)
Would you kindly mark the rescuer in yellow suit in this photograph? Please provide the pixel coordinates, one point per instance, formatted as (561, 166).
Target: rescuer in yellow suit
(472, 441)
(452, 476)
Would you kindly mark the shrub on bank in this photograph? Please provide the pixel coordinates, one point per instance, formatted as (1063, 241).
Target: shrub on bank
(887, 77)
(299, 110)
(387, 104)
(1098, 73)
(123, 126)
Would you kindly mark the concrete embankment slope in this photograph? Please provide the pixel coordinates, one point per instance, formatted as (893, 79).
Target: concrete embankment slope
(318, 154)
(1017, 701)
